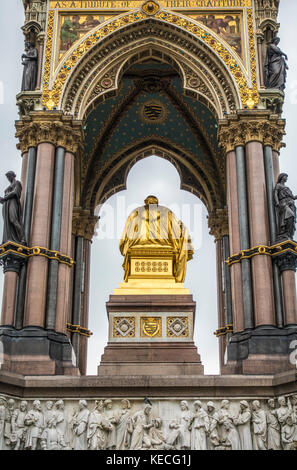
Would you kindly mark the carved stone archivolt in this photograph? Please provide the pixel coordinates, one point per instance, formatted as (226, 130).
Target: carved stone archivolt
(242, 128)
(149, 424)
(84, 224)
(41, 127)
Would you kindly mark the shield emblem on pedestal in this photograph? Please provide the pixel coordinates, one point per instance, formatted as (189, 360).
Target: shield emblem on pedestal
(151, 326)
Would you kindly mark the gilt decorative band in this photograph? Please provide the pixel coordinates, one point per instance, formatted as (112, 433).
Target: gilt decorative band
(275, 250)
(25, 252)
(224, 330)
(78, 329)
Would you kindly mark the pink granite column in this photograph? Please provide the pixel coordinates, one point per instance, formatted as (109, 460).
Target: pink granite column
(40, 234)
(40, 60)
(220, 300)
(259, 235)
(260, 61)
(65, 272)
(290, 300)
(276, 170)
(234, 236)
(9, 298)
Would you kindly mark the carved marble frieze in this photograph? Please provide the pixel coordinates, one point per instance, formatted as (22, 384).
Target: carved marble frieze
(152, 424)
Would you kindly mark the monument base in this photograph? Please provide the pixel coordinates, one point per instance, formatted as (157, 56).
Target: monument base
(151, 335)
(35, 351)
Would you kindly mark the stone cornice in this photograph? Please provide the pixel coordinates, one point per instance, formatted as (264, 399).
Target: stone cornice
(52, 127)
(242, 128)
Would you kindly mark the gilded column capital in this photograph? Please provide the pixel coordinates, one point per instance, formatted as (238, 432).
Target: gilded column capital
(243, 128)
(84, 224)
(218, 223)
(54, 128)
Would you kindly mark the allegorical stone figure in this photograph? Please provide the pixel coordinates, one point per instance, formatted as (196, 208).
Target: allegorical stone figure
(199, 425)
(29, 61)
(79, 426)
(155, 226)
(98, 426)
(212, 434)
(34, 422)
(275, 66)
(12, 211)
(273, 427)
(242, 421)
(185, 433)
(229, 431)
(142, 423)
(123, 421)
(285, 208)
(18, 428)
(259, 426)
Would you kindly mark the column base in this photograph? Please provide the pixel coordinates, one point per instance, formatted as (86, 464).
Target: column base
(35, 351)
(265, 350)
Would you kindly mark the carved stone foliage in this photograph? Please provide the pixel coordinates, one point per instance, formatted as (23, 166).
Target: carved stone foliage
(83, 224)
(29, 101)
(49, 127)
(243, 128)
(218, 223)
(167, 424)
(266, 10)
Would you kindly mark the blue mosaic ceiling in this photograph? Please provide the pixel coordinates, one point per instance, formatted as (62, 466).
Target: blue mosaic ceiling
(138, 115)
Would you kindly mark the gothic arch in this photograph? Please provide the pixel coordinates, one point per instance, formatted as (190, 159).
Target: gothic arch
(106, 60)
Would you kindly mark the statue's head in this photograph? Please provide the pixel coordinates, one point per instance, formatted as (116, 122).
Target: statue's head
(108, 404)
(28, 45)
(276, 40)
(283, 178)
(10, 176)
(184, 405)
(210, 406)
(150, 200)
(244, 405)
(125, 404)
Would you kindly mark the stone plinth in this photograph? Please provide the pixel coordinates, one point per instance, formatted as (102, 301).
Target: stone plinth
(151, 334)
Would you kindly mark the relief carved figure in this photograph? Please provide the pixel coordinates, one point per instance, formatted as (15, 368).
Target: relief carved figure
(229, 432)
(98, 427)
(243, 422)
(79, 426)
(289, 434)
(259, 426)
(199, 425)
(124, 426)
(185, 433)
(62, 425)
(34, 422)
(111, 419)
(3, 412)
(141, 424)
(212, 434)
(273, 427)
(18, 427)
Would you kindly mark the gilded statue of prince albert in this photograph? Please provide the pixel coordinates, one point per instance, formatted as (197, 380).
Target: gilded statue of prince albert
(153, 226)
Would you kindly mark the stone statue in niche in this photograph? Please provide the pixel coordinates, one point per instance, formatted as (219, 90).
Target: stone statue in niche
(284, 201)
(275, 66)
(29, 61)
(12, 212)
(243, 421)
(34, 422)
(79, 426)
(199, 425)
(273, 427)
(18, 428)
(98, 427)
(141, 424)
(259, 426)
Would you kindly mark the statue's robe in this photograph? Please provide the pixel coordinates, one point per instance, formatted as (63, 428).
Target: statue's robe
(157, 226)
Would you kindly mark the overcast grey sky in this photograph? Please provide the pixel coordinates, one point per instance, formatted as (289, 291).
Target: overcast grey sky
(151, 175)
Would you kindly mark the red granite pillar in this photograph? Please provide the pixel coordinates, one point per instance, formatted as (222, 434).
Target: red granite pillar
(234, 236)
(9, 298)
(290, 300)
(24, 176)
(40, 234)
(259, 235)
(276, 170)
(64, 275)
